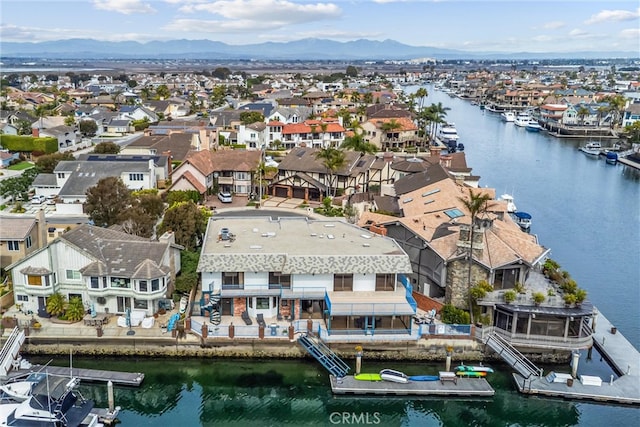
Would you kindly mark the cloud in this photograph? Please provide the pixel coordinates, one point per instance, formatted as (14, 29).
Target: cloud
(286, 12)
(630, 33)
(216, 27)
(553, 25)
(126, 7)
(613, 16)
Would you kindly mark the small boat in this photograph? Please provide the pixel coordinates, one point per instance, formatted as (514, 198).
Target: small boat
(533, 126)
(508, 116)
(368, 377)
(394, 376)
(20, 391)
(612, 158)
(471, 374)
(448, 133)
(474, 368)
(523, 219)
(424, 378)
(592, 148)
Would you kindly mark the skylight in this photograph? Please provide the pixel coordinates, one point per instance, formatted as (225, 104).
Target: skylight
(428, 193)
(454, 213)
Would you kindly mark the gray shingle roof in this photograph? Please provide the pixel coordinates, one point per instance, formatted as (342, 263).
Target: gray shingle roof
(86, 174)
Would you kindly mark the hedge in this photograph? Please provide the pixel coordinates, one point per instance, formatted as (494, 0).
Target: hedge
(28, 144)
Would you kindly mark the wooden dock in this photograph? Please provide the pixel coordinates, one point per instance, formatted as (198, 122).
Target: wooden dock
(474, 387)
(91, 375)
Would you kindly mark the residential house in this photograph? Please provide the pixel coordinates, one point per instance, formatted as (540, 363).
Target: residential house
(391, 133)
(137, 112)
(74, 177)
(119, 126)
(310, 133)
(205, 171)
(178, 143)
(302, 175)
(631, 114)
(253, 135)
(111, 271)
(297, 268)
(67, 136)
(20, 236)
(161, 162)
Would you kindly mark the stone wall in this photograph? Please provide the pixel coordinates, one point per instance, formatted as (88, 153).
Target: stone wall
(457, 282)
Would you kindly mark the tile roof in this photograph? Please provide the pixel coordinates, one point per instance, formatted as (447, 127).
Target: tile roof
(15, 228)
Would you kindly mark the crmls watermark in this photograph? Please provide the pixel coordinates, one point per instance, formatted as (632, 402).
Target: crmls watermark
(355, 418)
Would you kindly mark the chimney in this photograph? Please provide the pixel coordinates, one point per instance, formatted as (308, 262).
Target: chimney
(445, 160)
(169, 165)
(434, 151)
(459, 179)
(35, 132)
(41, 224)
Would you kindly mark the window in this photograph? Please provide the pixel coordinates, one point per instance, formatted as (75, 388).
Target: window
(343, 282)
(140, 303)
(73, 275)
(74, 296)
(27, 242)
(22, 298)
(262, 303)
(136, 177)
(232, 280)
(142, 286)
(385, 282)
(94, 283)
(120, 282)
(34, 280)
(155, 285)
(13, 245)
(60, 175)
(284, 280)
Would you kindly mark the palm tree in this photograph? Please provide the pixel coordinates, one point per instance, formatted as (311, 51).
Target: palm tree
(56, 304)
(476, 204)
(357, 143)
(332, 159)
(582, 113)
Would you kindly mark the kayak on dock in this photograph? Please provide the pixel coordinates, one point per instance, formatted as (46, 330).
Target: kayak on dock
(368, 377)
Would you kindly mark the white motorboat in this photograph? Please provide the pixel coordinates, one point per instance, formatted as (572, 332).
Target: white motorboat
(533, 126)
(448, 133)
(20, 390)
(523, 219)
(592, 148)
(522, 119)
(508, 116)
(394, 376)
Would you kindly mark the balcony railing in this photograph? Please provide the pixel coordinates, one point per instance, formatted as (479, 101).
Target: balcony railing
(537, 341)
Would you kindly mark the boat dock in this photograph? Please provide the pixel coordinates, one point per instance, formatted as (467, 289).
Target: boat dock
(91, 375)
(470, 387)
(623, 357)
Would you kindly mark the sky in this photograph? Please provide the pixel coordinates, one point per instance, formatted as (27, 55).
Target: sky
(473, 25)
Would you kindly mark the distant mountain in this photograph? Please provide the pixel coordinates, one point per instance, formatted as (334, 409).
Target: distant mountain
(306, 49)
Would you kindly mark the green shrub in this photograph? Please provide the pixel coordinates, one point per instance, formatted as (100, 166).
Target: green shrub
(509, 296)
(453, 315)
(538, 297)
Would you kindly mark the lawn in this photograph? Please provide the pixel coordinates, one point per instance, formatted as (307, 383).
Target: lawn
(20, 166)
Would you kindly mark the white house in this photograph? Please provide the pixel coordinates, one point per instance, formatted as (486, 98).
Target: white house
(109, 270)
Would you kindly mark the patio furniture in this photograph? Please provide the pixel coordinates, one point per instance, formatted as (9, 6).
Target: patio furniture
(246, 318)
(261, 321)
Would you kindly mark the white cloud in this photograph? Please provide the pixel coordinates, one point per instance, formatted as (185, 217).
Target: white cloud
(214, 27)
(613, 16)
(553, 25)
(578, 33)
(286, 12)
(126, 7)
(630, 33)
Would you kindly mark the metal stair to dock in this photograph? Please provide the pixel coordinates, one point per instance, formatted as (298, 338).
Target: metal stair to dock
(324, 355)
(513, 357)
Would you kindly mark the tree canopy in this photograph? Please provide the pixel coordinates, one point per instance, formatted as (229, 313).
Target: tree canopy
(48, 162)
(187, 221)
(248, 117)
(107, 147)
(106, 201)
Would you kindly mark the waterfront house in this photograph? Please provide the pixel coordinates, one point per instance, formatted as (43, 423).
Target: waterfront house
(301, 175)
(109, 270)
(391, 132)
(298, 268)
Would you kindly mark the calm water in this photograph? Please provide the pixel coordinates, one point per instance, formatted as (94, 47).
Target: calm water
(583, 209)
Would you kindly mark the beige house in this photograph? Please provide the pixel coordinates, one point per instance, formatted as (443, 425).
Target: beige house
(20, 236)
(391, 133)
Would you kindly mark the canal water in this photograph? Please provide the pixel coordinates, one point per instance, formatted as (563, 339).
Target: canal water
(586, 211)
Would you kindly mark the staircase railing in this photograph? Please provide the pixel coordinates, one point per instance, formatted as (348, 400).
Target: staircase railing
(324, 355)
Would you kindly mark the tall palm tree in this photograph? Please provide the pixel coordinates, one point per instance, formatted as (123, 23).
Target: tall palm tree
(332, 159)
(582, 113)
(477, 204)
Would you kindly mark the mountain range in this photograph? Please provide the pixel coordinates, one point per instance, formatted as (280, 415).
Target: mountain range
(306, 49)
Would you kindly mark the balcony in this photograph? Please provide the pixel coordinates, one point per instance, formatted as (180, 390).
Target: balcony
(520, 340)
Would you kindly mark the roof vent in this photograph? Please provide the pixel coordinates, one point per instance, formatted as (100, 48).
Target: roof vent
(366, 245)
(255, 246)
(329, 225)
(365, 236)
(330, 236)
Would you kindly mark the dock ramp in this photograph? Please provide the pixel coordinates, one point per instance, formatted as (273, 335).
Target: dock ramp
(513, 357)
(10, 350)
(324, 355)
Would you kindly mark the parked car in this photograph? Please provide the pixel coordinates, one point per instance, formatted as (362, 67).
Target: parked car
(51, 199)
(225, 197)
(36, 200)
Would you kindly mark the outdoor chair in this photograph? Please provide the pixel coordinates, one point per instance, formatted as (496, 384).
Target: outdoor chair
(246, 318)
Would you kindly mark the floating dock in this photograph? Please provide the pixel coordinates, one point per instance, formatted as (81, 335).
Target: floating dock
(470, 387)
(621, 355)
(90, 375)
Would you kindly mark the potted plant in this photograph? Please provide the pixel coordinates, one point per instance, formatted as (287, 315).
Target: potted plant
(581, 295)
(538, 298)
(509, 296)
(569, 299)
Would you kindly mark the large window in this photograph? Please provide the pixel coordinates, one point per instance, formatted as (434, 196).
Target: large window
(155, 285)
(98, 282)
(385, 282)
(262, 303)
(35, 280)
(232, 280)
(120, 282)
(277, 278)
(28, 242)
(136, 177)
(73, 275)
(140, 304)
(22, 298)
(13, 245)
(142, 286)
(343, 282)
